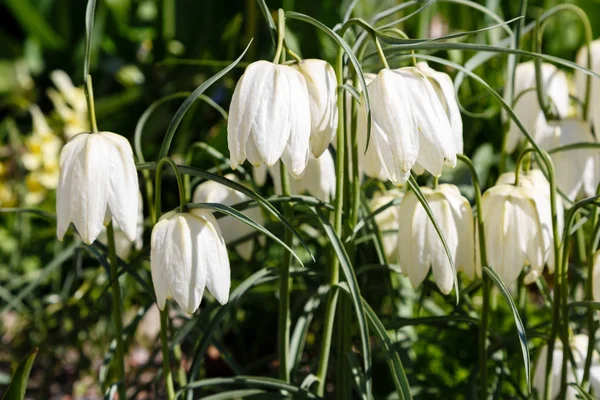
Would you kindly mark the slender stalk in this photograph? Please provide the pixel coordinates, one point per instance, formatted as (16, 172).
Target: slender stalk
(285, 283)
(485, 286)
(334, 268)
(89, 96)
(117, 311)
(520, 161)
(164, 341)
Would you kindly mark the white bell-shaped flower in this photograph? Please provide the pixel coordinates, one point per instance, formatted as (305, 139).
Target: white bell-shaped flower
(518, 228)
(98, 181)
(526, 105)
(420, 247)
(322, 91)
(187, 254)
(444, 88)
(269, 118)
(577, 171)
(579, 346)
(232, 229)
(581, 82)
(123, 245)
(409, 124)
(318, 180)
(536, 180)
(388, 221)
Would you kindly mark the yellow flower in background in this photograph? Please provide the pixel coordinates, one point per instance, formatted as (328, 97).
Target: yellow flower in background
(42, 147)
(70, 104)
(36, 192)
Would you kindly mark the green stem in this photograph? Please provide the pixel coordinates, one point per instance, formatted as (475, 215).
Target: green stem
(485, 286)
(280, 35)
(89, 96)
(164, 341)
(158, 186)
(589, 295)
(520, 161)
(334, 267)
(285, 283)
(117, 311)
(380, 51)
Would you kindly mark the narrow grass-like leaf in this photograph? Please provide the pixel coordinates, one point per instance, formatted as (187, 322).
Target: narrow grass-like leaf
(419, 194)
(90, 10)
(298, 338)
(139, 127)
(581, 393)
(34, 23)
(594, 305)
(166, 144)
(354, 289)
(18, 385)
(235, 186)
(269, 18)
(519, 324)
(41, 213)
(356, 371)
(232, 212)
(355, 63)
(352, 90)
(244, 394)
(434, 320)
(249, 382)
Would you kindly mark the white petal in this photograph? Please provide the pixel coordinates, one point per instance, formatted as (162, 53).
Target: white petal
(123, 198)
(322, 89)
(440, 265)
(65, 191)
(213, 252)
(180, 256)
(412, 257)
(158, 261)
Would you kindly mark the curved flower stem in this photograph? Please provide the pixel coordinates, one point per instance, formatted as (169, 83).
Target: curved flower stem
(520, 161)
(285, 283)
(117, 311)
(280, 35)
(164, 314)
(334, 267)
(381, 53)
(485, 285)
(89, 96)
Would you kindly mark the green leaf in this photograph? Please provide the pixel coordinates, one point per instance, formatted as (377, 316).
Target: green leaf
(227, 210)
(298, 339)
(18, 385)
(519, 324)
(166, 144)
(354, 289)
(250, 382)
(355, 63)
(243, 394)
(35, 24)
(235, 186)
(269, 18)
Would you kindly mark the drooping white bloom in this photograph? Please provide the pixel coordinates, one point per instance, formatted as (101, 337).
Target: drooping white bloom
(232, 229)
(526, 105)
(409, 124)
(536, 180)
(98, 181)
(318, 179)
(581, 82)
(518, 229)
(420, 247)
(388, 220)
(269, 118)
(444, 88)
(322, 91)
(578, 346)
(187, 254)
(577, 171)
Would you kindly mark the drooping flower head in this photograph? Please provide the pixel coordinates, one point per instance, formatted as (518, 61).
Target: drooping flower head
(98, 182)
(409, 124)
(269, 118)
(388, 220)
(419, 245)
(187, 254)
